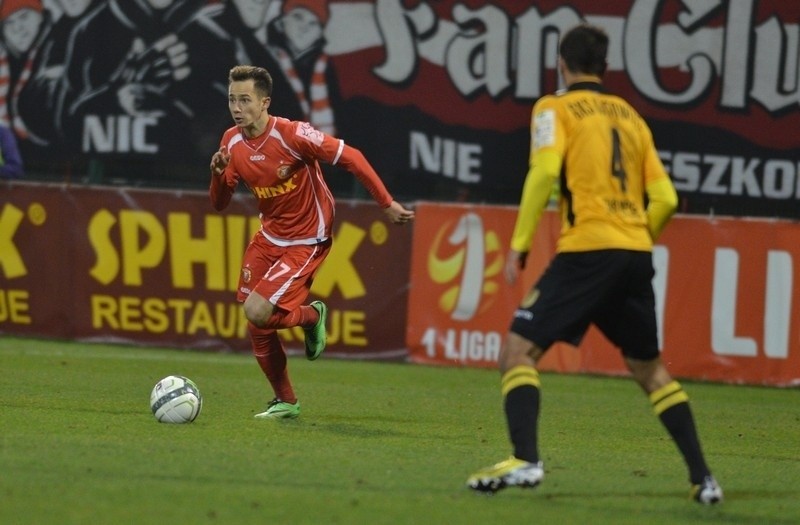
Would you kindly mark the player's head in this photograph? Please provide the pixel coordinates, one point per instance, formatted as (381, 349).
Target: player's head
(249, 91)
(583, 50)
(262, 80)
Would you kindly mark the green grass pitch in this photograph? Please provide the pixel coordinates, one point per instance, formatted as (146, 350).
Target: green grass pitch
(377, 443)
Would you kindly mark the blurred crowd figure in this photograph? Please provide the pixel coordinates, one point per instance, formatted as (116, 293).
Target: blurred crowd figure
(10, 159)
(139, 79)
(299, 45)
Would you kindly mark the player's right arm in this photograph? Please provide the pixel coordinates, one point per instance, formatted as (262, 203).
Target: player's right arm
(662, 199)
(222, 187)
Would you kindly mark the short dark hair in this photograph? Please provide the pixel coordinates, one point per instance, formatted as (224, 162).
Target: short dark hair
(584, 49)
(261, 78)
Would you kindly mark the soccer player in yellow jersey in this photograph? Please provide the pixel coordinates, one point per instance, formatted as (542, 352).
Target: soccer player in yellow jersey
(615, 198)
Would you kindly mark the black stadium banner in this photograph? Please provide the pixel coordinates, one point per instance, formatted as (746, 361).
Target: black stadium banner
(437, 93)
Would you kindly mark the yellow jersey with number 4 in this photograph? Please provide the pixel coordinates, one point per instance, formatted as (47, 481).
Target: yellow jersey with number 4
(608, 162)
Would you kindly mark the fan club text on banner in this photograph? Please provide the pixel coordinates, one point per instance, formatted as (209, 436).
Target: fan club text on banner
(449, 85)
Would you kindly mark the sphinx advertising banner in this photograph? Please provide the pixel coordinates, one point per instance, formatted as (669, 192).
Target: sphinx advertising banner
(437, 94)
(161, 268)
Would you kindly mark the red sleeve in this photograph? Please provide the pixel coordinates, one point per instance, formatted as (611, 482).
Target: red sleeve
(222, 186)
(220, 191)
(355, 162)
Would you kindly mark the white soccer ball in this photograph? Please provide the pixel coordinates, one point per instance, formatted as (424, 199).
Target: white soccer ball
(176, 399)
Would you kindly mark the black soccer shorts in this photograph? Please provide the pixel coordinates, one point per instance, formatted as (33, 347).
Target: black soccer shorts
(610, 288)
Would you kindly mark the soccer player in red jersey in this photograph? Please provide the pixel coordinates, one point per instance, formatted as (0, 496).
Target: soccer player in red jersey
(278, 160)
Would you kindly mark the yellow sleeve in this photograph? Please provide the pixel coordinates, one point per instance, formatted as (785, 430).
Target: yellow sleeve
(545, 167)
(662, 203)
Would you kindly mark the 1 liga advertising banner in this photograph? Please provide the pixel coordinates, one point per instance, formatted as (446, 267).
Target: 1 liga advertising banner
(726, 307)
(161, 268)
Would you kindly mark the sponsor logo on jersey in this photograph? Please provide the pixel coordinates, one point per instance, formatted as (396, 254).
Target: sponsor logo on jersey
(258, 157)
(266, 192)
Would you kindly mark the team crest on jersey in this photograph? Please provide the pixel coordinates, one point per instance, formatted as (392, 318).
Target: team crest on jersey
(544, 129)
(284, 171)
(246, 275)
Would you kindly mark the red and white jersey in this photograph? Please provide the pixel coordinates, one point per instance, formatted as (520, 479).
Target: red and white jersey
(281, 168)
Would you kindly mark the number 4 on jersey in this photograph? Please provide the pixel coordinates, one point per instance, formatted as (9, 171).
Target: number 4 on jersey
(617, 170)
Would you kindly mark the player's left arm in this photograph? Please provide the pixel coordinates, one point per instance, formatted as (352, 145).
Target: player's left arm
(317, 145)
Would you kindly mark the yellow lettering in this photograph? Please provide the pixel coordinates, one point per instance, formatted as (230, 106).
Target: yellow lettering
(104, 312)
(344, 326)
(236, 237)
(274, 191)
(177, 316)
(144, 242)
(10, 259)
(201, 320)
(137, 254)
(353, 328)
(230, 321)
(106, 268)
(18, 306)
(130, 314)
(155, 315)
(180, 306)
(338, 269)
(186, 251)
(14, 305)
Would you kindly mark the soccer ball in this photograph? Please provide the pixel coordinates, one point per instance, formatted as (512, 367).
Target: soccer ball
(176, 399)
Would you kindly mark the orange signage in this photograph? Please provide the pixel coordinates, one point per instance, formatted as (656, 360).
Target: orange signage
(724, 288)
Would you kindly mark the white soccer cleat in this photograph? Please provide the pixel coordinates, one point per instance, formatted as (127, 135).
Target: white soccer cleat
(512, 472)
(708, 492)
